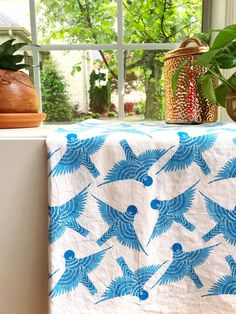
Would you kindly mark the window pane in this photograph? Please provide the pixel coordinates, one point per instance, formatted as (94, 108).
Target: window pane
(161, 20)
(15, 24)
(144, 93)
(14, 20)
(77, 85)
(77, 21)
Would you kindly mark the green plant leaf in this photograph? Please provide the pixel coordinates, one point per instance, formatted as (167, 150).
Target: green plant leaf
(224, 37)
(232, 80)
(11, 58)
(17, 58)
(176, 75)
(221, 93)
(7, 65)
(6, 45)
(206, 58)
(22, 66)
(14, 48)
(207, 88)
(204, 37)
(76, 68)
(226, 58)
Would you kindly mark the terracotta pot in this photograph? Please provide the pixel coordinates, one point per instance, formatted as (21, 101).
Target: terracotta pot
(17, 93)
(231, 105)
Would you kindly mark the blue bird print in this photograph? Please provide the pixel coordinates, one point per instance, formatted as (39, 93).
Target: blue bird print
(50, 154)
(76, 271)
(190, 151)
(134, 167)
(66, 215)
(234, 140)
(78, 153)
(173, 210)
(228, 171)
(121, 225)
(184, 264)
(225, 221)
(130, 283)
(226, 284)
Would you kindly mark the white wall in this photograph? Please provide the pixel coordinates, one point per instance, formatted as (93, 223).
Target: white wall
(78, 85)
(23, 227)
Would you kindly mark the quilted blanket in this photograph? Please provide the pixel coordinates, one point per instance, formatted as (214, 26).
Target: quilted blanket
(142, 218)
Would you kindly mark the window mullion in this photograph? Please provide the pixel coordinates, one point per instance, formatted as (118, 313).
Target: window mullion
(35, 51)
(120, 34)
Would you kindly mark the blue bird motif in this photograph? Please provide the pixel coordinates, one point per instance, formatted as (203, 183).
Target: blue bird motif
(66, 215)
(76, 271)
(226, 284)
(190, 151)
(228, 171)
(130, 283)
(121, 225)
(234, 140)
(225, 221)
(78, 153)
(134, 167)
(50, 154)
(173, 210)
(183, 265)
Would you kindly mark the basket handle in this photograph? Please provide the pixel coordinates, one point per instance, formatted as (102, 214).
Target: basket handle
(191, 40)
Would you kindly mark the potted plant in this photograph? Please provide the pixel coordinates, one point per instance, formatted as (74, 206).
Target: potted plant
(18, 97)
(220, 56)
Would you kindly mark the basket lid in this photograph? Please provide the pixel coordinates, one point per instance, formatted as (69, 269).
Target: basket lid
(190, 46)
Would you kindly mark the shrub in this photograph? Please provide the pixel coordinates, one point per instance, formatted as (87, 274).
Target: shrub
(140, 108)
(111, 114)
(99, 92)
(129, 107)
(96, 115)
(55, 98)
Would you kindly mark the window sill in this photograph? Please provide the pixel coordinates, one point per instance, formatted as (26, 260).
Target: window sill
(27, 133)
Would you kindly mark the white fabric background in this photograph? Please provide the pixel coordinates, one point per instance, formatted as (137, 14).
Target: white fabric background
(180, 297)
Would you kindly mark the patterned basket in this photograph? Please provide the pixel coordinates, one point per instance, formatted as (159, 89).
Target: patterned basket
(189, 106)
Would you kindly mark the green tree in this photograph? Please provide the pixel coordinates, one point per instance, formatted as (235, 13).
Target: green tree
(56, 102)
(99, 92)
(146, 21)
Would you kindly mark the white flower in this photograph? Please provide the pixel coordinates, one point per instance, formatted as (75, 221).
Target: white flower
(103, 83)
(97, 71)
(104, 71)
(97, 83)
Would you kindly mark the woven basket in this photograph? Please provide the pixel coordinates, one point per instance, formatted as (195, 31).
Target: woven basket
(189, 106)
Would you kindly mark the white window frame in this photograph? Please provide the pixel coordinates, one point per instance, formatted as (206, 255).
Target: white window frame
(119, 47)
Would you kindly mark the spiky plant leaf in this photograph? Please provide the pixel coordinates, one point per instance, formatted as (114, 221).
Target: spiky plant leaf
(22, 66)
(9, 61)
(14, 48)
(6, 45)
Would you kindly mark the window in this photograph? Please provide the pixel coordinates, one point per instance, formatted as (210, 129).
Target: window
(126, 38)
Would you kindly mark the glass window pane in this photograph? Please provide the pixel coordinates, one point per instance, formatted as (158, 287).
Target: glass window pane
(77, 21)
(14, 20)
(144, 82)
(15, 24)
(161, 20)
(77, 85)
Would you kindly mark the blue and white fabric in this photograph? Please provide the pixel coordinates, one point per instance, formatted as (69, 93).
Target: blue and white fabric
(142, 218)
